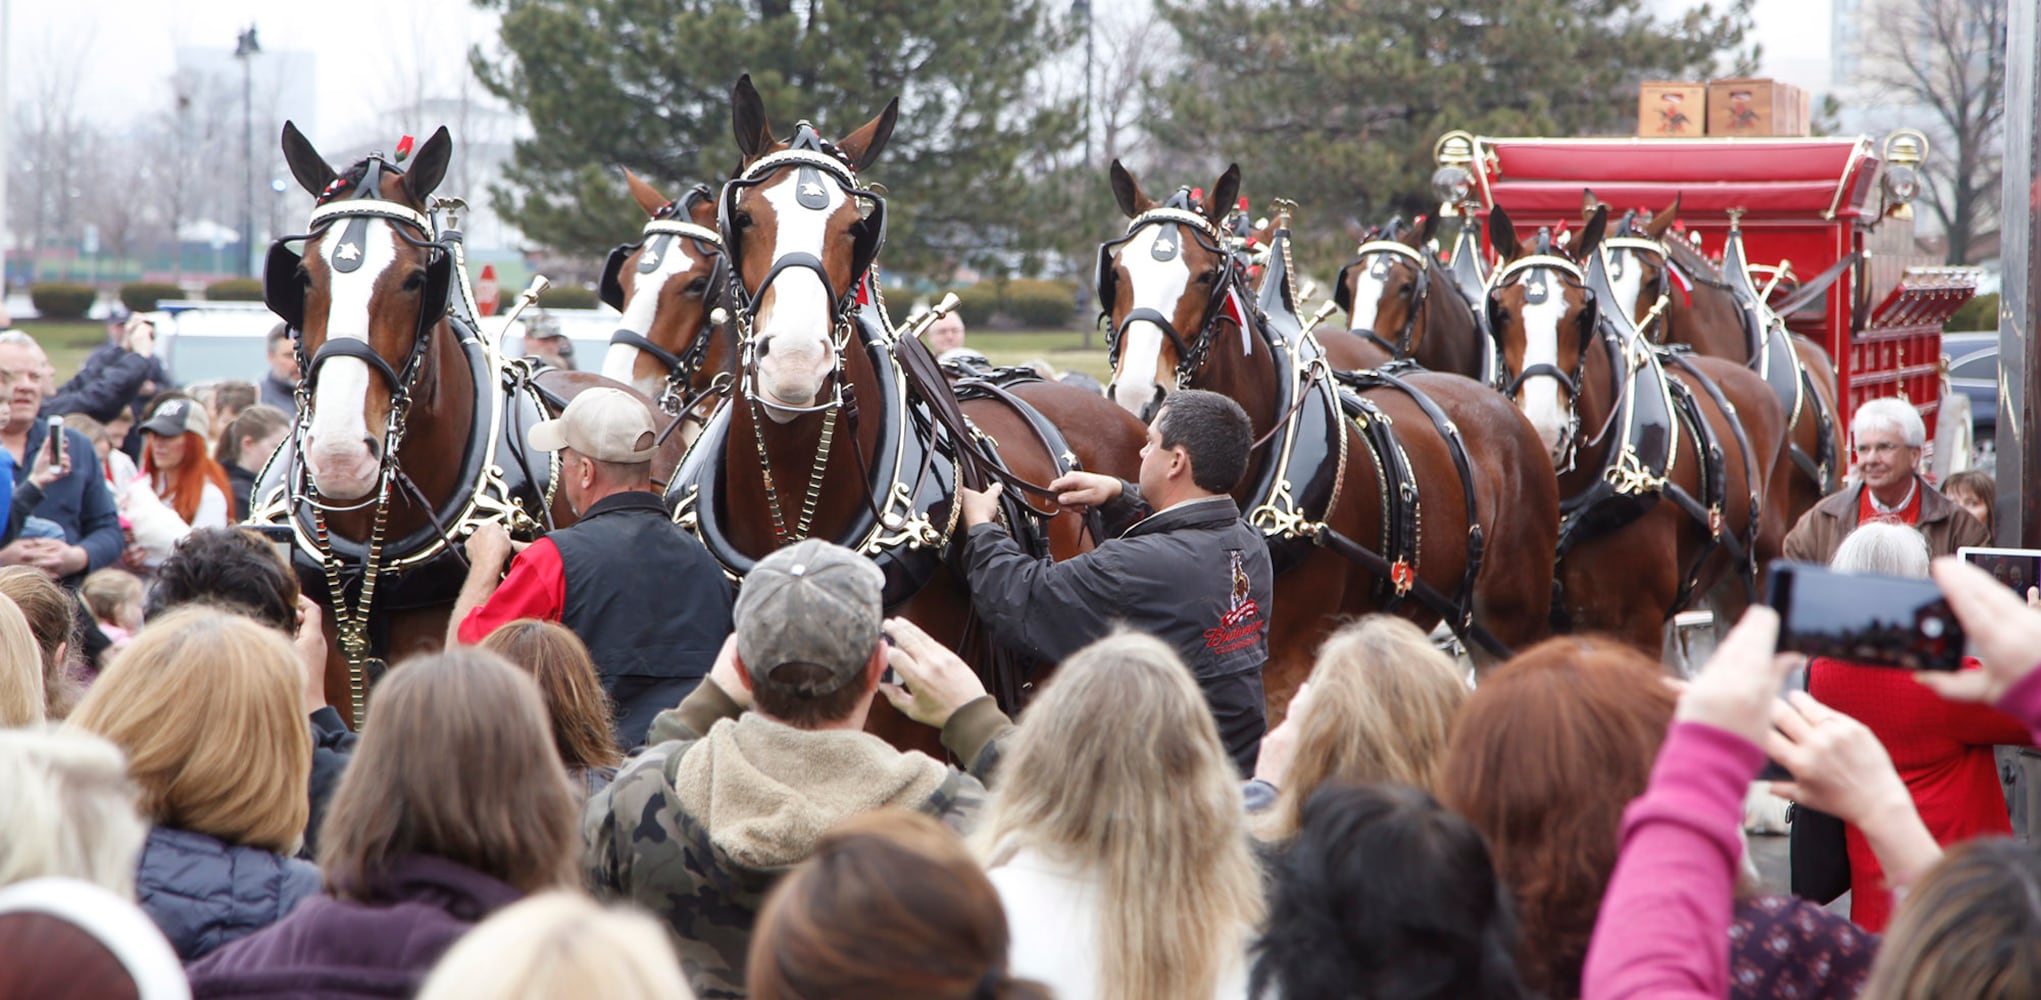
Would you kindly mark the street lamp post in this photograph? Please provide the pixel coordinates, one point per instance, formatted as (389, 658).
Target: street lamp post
(1082, 8)
(246, 49)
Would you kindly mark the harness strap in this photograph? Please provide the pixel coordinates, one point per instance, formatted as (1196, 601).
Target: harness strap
(1423, 592)
(632, 338)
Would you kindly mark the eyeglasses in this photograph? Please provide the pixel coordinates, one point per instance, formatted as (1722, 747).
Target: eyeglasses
(1882, 448)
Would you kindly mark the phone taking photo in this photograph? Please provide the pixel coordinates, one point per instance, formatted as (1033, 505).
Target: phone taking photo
(2016, 568)
(55, 444)
(1887, 621)
(279, 536)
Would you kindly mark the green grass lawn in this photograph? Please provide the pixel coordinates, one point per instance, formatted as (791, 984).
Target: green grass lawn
(1063, 349)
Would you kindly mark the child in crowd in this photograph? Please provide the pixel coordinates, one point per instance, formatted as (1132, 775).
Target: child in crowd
(114, 596)
(1975, 492)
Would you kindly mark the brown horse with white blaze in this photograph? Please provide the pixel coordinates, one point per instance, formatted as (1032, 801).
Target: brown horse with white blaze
(1400, 300)
(1169, 291)
(1650, 520)
(668, 343)
(818, 440)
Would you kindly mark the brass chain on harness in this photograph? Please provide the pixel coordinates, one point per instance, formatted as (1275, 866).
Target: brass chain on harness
(350, 623)
(814, 493)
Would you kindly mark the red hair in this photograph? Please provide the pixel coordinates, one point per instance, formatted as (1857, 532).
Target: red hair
(1543, 759)
(188, 485)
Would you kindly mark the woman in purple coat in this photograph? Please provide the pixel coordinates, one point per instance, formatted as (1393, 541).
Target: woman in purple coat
(454, 806)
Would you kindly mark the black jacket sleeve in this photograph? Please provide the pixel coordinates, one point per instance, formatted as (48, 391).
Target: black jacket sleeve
(1046, 610)
(332, 747)
(101, 393)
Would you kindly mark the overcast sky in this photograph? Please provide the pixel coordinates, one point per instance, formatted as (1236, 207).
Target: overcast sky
(131, 45)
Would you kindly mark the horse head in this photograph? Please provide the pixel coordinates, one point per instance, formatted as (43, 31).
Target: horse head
(365, 297)
(801, 234)
(1162, 287)
(1384, 286)
(1544, 316)
(1638, 269)
(666, 285)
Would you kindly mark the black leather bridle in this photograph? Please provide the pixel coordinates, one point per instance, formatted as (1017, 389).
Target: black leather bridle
(1343, 296)
(1190, 351)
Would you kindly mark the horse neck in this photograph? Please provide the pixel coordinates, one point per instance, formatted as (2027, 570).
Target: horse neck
(436, 433)
(1599, 396)
(1708, 320)
(789, 457)
(1446, 334)
(1248, 377)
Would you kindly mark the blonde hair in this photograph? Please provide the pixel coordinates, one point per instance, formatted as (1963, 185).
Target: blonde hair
(1971, 927)
(69, 811)
(106, 591)
(1159, 822)
(559, 944)
(52, 616)
(1383, 699)
(22, 682)
(208, 707)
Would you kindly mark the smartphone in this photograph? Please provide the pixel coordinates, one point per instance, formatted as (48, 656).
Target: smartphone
(281, 537)
(56, 442)
(1885, 621)
(2016, 568)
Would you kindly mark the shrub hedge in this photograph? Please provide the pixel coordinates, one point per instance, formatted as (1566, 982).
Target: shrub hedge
(567, 297)
(1980, 313)
(235, 290)
(62, 299)
(143, 296)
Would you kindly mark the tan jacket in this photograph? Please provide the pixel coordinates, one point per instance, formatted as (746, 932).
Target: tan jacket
(1946, 526)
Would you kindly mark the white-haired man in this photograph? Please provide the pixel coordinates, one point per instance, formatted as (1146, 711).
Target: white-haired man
(1886, 435)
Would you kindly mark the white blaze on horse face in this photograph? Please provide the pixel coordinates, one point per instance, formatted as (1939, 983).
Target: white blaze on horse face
(1626, 279)
(336, 446)
(1368, 290)
(1539, 396)
(794, 352)
(620, 362)
(1153, 284)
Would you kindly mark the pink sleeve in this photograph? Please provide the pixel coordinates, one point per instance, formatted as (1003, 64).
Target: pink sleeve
(1664, 924)
(2023, 702)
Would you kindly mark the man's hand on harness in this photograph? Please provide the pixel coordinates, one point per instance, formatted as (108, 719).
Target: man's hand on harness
(937, 682)
(1086, 489)
(980, 506)
(492, 546)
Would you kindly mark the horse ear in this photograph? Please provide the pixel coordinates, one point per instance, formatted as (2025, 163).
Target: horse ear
(1428, 227)
(703, 212)
(1224, 194)
(647, 196)
(1128, 192)
(428, 168)
(1591, 234)
(1664, 219)
(1502, 235)
(311, 169)
(747, 119)
(863, 145)
(1588, 203)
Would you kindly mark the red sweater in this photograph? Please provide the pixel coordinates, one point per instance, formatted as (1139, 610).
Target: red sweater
(1942, 750)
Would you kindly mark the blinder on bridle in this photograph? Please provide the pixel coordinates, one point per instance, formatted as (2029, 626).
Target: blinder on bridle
(283, 288)
(1377, 254)
(1190, 352)
(814, 159)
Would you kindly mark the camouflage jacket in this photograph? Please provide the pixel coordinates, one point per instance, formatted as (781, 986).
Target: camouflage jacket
(700, 826)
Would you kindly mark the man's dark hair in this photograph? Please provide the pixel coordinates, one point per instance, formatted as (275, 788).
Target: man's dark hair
(1385, 893)
(1214, 431)
(779, 696)
(230, 568)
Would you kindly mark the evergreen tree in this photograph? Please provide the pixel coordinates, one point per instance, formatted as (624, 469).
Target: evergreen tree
(645, 84)
(1336, 103)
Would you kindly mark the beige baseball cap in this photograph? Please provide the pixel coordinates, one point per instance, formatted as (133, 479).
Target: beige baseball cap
(608, 425)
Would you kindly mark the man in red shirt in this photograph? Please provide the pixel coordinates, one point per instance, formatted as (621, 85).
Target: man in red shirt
(649, 602)
(1888, 435)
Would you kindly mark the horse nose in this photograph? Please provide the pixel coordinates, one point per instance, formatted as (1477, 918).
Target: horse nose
(1149, 408)
(375, 447)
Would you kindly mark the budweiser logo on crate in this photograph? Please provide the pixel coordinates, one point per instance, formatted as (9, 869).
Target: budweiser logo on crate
(1671, 109)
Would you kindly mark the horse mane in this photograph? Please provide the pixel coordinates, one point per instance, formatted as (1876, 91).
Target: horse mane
(1691, 259)
(344, 181)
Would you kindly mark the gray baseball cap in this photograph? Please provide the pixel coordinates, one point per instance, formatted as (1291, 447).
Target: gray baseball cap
(813, 603)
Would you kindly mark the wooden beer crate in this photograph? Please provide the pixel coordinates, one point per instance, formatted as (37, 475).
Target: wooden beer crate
(1756, 107)
(1671, 109)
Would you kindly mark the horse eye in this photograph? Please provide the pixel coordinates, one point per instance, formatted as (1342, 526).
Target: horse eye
(304, 276)
(697, 287)
(743, 219)
(416, 281)
(1405, 290)
(1208, 277)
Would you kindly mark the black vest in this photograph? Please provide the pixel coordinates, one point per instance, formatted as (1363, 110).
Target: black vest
(645, 597)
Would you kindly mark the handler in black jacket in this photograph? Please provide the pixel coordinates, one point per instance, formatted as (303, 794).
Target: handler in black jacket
(1188, 571)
